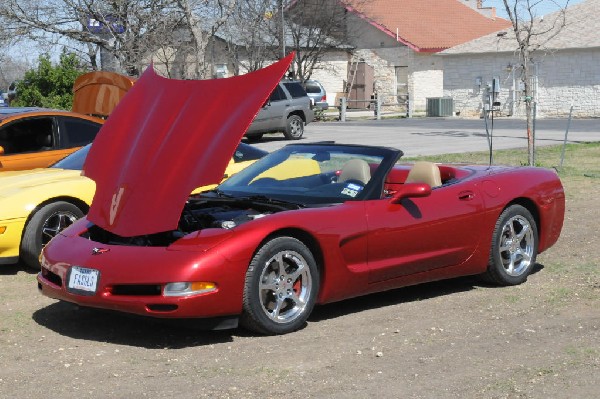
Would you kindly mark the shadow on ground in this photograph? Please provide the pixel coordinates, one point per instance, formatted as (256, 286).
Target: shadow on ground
(123, 329)
(119, 328)
(403, 295)
(13, 269)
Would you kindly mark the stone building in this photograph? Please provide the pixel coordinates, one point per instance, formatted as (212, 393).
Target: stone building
(392, 44)
(566, 69)
(397, 42)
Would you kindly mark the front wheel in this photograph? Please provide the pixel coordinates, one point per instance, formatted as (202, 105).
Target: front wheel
(46, 223)
(514, 247)
(294, 128)
(281, 287)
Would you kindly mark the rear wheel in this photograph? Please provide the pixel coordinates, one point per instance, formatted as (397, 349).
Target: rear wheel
(46, 223)
(514, 247)
(294, 128)
(281, 287)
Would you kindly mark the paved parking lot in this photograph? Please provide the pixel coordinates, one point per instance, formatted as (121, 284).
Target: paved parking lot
(430, 136)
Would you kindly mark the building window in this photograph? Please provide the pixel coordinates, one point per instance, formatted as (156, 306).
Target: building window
(402, 84)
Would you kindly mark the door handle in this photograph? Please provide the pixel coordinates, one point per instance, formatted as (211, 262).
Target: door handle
(466, 195)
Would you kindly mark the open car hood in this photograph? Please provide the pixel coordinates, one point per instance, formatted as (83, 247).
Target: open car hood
(165, 138)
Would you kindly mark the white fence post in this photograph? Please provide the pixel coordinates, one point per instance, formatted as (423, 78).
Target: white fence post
(343, 109)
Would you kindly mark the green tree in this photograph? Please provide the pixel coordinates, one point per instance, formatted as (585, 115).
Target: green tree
(49, 86)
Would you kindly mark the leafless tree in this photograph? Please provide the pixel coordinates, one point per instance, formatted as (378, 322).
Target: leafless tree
(532, 34)
(123, 29)
(11, 69)
(261, 31)
(128, 31)
(248, 34)
(180, 33)
(200, 23)
(313, 28)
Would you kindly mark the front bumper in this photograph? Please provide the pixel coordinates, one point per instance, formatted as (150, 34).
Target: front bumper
(323, 105)
(132, 279)
(11, 231)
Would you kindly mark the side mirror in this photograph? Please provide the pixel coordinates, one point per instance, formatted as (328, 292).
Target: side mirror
(411, 190)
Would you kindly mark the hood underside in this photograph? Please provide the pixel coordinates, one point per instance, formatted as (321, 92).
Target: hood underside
(165, 138)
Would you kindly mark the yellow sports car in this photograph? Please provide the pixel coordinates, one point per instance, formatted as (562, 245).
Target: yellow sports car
(36, 204)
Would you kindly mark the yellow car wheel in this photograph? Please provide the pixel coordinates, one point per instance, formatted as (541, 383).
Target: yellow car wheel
(47, 222)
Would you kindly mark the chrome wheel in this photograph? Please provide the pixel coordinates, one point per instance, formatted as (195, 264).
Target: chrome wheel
(516, 245)
(285, 285)
(295, 127)
(281, 287)
(55, 224)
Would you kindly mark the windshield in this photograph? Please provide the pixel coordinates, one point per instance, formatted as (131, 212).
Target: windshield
(246, 152)
(73, 161)
(314, 174)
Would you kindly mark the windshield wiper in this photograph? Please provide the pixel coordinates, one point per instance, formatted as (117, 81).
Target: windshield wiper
(269, 200)
(221, 194)
(257, 198)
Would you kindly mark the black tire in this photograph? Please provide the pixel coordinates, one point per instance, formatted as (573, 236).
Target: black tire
(281, 287)
(514, 247)
(294, 128)
(254, 137)
(48, 221)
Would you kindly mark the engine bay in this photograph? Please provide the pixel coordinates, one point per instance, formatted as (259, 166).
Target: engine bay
(199, 213)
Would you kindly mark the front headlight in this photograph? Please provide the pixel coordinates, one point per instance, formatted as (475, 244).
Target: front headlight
(189, 288)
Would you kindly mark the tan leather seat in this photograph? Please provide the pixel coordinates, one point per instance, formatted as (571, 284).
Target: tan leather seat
(425, 172)
(355, 169)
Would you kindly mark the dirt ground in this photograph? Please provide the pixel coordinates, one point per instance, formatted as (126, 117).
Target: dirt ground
(452, 339)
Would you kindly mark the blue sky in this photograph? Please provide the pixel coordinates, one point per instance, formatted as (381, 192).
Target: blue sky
(544, 7)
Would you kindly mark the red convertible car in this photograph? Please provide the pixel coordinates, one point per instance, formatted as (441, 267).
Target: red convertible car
(308, 224)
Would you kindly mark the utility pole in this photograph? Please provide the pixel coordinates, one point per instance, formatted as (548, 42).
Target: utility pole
(282, 32)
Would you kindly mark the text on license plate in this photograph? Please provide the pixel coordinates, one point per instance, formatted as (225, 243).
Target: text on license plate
(83, 279)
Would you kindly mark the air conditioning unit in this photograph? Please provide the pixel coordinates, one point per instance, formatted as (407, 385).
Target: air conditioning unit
(440, 106)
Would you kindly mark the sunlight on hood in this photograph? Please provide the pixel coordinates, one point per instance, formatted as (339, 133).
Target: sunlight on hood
(165, 138)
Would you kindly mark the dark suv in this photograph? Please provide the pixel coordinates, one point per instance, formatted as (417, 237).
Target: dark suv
(287, 110)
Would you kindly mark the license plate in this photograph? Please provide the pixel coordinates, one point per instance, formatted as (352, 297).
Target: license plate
(83, 280)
